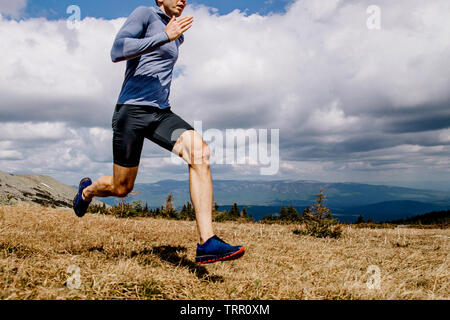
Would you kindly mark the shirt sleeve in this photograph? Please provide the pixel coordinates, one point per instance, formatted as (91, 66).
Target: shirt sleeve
(129, 43)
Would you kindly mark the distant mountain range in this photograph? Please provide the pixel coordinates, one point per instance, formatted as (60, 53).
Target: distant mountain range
(347, 200)
(435, 217)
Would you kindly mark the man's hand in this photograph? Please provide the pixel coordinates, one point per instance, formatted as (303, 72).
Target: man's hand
(176, 27)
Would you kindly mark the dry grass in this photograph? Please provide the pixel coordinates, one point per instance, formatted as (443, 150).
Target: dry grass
(147, 258)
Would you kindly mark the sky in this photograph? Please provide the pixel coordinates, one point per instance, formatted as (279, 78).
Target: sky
(107, 9)
(358, 93)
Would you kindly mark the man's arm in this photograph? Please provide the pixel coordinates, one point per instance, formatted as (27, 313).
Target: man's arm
(127, 44)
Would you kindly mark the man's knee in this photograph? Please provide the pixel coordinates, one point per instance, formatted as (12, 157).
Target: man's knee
(200, 154)
(123, 180)
(122, 191)
(191, 147)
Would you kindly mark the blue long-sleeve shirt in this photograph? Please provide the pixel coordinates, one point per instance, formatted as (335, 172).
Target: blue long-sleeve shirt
(150, 56)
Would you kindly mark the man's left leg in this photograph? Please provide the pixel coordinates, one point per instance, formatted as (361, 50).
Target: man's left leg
(177, 136)
(191, 147)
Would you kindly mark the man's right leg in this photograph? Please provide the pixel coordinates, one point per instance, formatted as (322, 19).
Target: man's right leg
(128, 123)
(118, 185)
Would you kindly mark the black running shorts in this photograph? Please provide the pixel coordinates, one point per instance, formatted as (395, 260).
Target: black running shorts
(132, 123)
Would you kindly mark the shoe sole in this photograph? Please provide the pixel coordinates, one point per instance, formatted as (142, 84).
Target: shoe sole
(233, 256)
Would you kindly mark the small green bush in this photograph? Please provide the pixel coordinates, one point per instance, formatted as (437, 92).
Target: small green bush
(318, 220)
(321, 230)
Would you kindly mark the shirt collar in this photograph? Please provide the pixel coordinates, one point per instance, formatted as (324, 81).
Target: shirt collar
(160, 13)
(165, 17)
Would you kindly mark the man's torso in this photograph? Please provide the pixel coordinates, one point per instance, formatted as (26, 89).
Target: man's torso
(148, 77)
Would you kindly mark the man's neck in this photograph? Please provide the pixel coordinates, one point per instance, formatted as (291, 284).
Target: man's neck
(163, 10)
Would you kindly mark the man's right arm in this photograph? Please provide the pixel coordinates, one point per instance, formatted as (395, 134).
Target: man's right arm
(129, 45)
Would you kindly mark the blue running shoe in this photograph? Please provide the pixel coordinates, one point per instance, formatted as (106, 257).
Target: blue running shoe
(80, 206)
(215, 249)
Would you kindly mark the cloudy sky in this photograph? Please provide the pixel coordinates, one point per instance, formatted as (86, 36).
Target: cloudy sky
(352, 102)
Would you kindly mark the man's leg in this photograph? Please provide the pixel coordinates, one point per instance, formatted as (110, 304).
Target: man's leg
(118, 185)
(191, 147)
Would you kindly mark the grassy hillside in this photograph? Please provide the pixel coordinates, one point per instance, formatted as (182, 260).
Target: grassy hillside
(145, 258)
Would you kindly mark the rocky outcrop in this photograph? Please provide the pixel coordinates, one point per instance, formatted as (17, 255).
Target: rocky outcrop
(39, 189)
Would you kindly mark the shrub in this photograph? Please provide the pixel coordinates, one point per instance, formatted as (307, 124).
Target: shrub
(373, 225)
(187, 212)
(287, 215)
(220, 216)
(318, 220)
(321, 230)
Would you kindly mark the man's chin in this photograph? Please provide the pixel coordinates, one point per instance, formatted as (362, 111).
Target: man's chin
(178, 11)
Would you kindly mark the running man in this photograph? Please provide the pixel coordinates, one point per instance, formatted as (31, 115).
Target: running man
(149, 42)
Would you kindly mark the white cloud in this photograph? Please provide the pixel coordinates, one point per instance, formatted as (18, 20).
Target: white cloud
(7, 152)
(33, 131)
(331, 119)
(12, 7)
(53, 73)
(10, 155)
(335, 89)
(318, 52)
